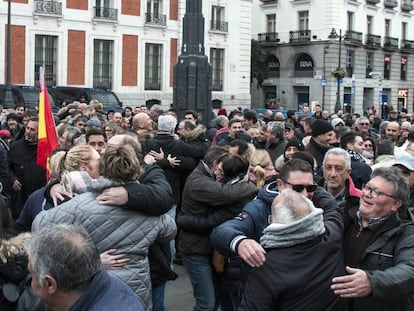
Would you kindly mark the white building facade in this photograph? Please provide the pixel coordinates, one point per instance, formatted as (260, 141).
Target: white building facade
(302, 53)
(129, 46)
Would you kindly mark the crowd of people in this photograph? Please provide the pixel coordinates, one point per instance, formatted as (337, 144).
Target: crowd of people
(306, 210)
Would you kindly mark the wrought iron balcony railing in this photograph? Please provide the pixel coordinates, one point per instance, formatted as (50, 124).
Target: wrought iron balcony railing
(390, 42)
(219, 26)
(48, 7)
(152, 86)
(156, 19)
(373, 40)
(353, 36)
(299, 35)
(390, 4)
(268, 37)
(106, 13)
(407, 44)
(407, 5)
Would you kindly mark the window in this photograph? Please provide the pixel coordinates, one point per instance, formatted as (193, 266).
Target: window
(369, 64)
(350, 21)
(46, 55)
(153, 57)
(403, 31)
(403, 74)
(217, 63)
(387, 66)
(218, 19)
(271, 23)
(349, 63)
(102, 63)
(369, 24)
(387, 25)
(303, 20)
(154, 7)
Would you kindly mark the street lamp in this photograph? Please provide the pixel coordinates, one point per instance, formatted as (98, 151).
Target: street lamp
(8, 96)
(325, 51)
(334, 35)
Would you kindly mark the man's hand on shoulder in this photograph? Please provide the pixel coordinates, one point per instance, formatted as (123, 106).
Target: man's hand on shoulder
(113, 196)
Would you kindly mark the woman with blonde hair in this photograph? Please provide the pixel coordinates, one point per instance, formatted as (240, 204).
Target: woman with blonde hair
(79, 158)
(261, 168)
(111, 227)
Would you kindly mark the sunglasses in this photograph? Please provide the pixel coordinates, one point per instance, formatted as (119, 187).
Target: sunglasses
(300, 188)
(367, 145)
(364, 124)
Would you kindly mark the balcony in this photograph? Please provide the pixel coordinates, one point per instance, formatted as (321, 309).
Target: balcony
(407, 5)
(152, 86)
(156, 19)
(299, 35)
(48, 7)
(353, 37)
(390, 42)
(216, 25)
(390, 4)
(106, 13)
(268, 37)
(407, 44)
(373, 41)
(373, 2)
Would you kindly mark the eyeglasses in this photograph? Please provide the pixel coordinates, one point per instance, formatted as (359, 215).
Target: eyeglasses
(367, 145)
(300, 188)
(364, 124)
(375, 193)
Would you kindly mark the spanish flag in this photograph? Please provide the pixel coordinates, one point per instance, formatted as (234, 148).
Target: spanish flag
(47, 136)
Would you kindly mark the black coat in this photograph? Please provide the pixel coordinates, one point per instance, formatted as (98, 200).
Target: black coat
(203, 195)
(188, 154)
(299, 277)
(23, 167)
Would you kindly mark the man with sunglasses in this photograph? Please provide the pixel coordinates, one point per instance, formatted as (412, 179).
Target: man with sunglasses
(379, 246)
(241, 235)
(363, 126)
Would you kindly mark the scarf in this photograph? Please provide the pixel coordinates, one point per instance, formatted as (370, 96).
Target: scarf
(286, 235)
(355, 156)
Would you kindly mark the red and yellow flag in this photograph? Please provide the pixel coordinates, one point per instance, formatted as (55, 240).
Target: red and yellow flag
(47, 136)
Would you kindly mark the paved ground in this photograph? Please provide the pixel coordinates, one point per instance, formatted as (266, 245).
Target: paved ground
(179, 293)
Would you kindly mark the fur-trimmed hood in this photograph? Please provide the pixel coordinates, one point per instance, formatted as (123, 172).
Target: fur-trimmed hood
(13, 247)
(196, 133)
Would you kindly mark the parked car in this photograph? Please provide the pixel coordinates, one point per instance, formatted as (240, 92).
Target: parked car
(108, 98)
(28, 95)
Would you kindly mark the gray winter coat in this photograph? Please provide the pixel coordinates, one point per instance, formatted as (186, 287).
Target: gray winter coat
(127, 231)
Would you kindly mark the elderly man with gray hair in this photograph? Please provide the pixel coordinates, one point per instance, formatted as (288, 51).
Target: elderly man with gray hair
(67, 273)
(275, 143)
(304, 252)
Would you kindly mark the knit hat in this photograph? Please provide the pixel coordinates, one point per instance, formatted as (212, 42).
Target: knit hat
(13, 116)
(222, 112)
(4, 134)
(295, 143)
(320, 127)
(337, 121)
